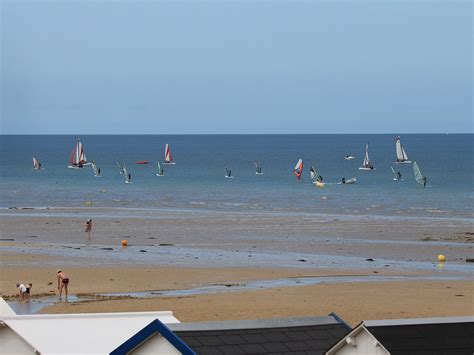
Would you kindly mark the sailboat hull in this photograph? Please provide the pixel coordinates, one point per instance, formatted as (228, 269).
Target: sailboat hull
(75, 167)
(160, 174)
(404, 162)
(258, 173)
(170, 163)
(364, 168)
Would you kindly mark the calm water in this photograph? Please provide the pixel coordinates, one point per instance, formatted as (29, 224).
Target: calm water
(197, 180)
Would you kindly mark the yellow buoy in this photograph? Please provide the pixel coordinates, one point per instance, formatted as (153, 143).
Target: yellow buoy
(124, 242)
(441, 257)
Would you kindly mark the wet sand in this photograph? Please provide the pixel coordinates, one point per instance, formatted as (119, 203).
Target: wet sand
(172, 250)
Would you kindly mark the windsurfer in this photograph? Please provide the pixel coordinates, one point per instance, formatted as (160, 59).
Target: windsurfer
(343, 180)
(424, 179)
(399, 175)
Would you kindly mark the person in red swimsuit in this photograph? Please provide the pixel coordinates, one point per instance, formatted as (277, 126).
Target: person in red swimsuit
(63, 281)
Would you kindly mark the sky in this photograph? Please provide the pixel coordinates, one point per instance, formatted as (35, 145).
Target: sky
(197, 67)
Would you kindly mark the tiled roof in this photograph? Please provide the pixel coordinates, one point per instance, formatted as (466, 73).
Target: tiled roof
(427, 337)
(289, 336)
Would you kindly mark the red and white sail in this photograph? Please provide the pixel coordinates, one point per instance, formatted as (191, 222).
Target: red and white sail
(78, 158)
(298, 170)
(36, 164)
(168, 156)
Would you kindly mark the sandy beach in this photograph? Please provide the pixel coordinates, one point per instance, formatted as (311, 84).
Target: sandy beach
(240, 265)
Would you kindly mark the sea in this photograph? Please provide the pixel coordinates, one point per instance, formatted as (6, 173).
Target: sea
(197, 180)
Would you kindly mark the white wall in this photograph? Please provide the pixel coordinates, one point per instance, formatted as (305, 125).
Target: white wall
(365, 345)
(12, 343)
(156, 345)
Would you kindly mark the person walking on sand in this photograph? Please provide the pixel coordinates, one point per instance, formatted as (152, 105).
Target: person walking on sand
(63, 281)
(89, 228)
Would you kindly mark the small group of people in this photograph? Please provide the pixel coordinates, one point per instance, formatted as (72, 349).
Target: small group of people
(25, 290)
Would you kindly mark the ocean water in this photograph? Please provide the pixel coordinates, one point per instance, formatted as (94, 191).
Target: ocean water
(197, 180)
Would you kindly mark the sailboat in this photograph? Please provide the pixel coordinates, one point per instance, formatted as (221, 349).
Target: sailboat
(228, 173)
(366, 165)
(349, 157)
(161, 171)
(128, 177)
(78, 159)
(298, 169)
(418, 175)
(168, 157)
(396, 175)
(315, 177)
(96, 169)
(401, 155)
(258, 169)
(36, 164)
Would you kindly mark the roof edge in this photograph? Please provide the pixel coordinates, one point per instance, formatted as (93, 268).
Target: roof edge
(417, 321)
(89, 315)
(254, 324)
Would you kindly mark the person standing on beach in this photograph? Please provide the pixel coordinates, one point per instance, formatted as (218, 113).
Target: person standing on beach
(63, 281)
(88, 228)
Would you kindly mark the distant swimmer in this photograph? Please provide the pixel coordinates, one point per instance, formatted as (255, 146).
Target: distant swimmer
(63, 282)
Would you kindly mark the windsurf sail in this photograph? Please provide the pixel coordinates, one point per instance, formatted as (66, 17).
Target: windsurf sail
(366, 164)
(312, 173)
(395, 176)
(168, 156)
(418, 176)
(258, 168)
(36, 164)
(78, 159)
(120, 166)
(95, 168)
(298, 169)
(128, 177)
(160, 170)
(401, 155)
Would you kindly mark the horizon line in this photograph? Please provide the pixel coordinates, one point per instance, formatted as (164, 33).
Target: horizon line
(222, 134)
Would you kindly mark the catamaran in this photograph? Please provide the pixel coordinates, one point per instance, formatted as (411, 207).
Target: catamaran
(418, 175)
(366, 165)
(168, 157)
(298, 169)
(128, 177)
(397, 176)
(401, 155)
(78, 159)
(96, 169)
(315, 177)
(160, 170)
(36, 164)
(228, 173)
(258, 168)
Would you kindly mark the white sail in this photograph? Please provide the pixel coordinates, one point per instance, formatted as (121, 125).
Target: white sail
(366, 164)
(160, 170)
(96, 170)
(394, 173)
(36, 164)
(128, 177)
(418, 176)
(401, 154)
(258, 169)
(312, 173)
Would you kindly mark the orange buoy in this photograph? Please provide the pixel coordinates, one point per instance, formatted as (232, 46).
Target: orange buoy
(124, 242)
